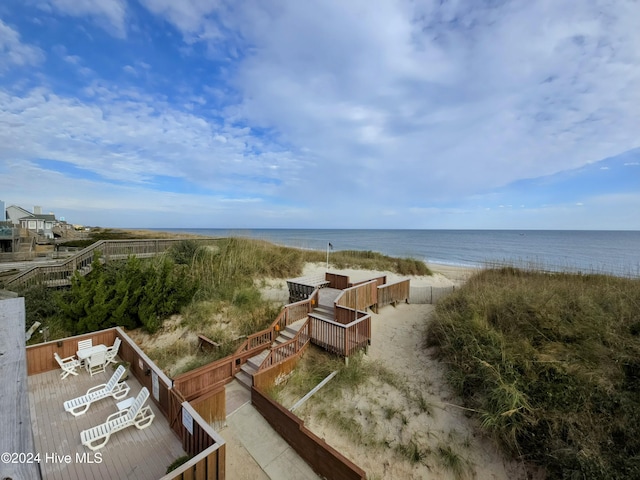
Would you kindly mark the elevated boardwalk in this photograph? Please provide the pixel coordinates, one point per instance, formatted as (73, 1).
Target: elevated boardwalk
(60, 275)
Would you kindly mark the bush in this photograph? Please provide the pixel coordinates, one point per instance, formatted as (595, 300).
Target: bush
(132, 294)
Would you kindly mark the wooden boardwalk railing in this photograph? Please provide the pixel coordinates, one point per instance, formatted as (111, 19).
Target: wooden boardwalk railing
(203, 380)
(393, 293)
(342, 339)
(359, 297)
(286, 350)
(60, 275)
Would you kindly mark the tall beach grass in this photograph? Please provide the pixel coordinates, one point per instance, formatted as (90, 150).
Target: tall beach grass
(552, 362)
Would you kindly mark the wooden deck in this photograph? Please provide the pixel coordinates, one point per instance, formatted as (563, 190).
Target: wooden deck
(130, 453)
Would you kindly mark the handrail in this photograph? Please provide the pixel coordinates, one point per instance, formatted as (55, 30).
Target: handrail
(265, 337)
(84, 258)
(347, 325)
(287, 349)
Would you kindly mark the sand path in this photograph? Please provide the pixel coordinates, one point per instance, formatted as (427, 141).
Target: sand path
(448, 438)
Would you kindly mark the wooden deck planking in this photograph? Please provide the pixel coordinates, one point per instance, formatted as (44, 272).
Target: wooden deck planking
(327, 296)
(130, 453)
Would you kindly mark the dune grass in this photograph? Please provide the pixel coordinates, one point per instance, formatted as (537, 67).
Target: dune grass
(553, 363)
(380, 423)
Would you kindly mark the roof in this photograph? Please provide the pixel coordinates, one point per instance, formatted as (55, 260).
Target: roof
(47, 216)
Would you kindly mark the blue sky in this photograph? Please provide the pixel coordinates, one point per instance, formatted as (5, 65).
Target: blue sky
(328, 114)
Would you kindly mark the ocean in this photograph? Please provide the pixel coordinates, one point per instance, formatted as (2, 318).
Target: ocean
(609, 252)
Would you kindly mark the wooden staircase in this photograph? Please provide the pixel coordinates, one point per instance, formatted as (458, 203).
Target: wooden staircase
(245, 375)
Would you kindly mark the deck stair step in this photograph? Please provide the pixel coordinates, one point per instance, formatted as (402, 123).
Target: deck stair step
(322, 315)
(325, 309)
(244, 379)
(284, 336)
(245, 375)
(289, 332)
(255, 362)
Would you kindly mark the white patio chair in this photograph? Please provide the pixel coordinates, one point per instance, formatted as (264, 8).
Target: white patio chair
(96, 363)
(84, 344)
(98, 436)
(112, 351)
(68, 365)
(112, 388)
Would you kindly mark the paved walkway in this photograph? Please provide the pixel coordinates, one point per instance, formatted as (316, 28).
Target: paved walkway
(248, 431)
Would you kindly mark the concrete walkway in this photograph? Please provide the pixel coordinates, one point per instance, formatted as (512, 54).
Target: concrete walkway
(247, 430)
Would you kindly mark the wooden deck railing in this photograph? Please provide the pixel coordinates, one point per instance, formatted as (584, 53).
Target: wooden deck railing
(200, 381)
(359, 297)
(341, 339)
(286, 350)
(40, 357)
(393, 293)
(201, 441)
(207, 378)
(58, 275)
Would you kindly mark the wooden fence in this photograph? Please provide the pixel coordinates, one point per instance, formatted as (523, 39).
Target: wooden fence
(212, 406)
(146, 372)
(379, 281)
(393, 293)
(337, 281)
(296, 311)
(325, 460)
(429, 295)
(207, 378)
(263, 379)
(40, 357)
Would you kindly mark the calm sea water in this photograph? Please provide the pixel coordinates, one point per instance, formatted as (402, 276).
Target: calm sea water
(614, 252)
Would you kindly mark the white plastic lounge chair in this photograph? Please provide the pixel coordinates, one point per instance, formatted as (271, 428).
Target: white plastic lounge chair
(84, 344)
(112, 351)
(96, 363)
(97, 437)
(68, 365)
(112, 388)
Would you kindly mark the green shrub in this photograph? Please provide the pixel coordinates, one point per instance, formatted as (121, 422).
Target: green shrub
(130, 294)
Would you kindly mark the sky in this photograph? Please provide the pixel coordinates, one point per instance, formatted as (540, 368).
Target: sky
(322, 114)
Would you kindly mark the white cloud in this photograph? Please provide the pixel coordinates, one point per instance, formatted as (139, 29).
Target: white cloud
(193, 18)
(393, 108)
(14, 53)
(108, 14)
(130, 137)
(467, 99)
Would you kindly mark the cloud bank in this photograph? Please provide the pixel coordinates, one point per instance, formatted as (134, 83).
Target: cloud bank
(322, 114)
